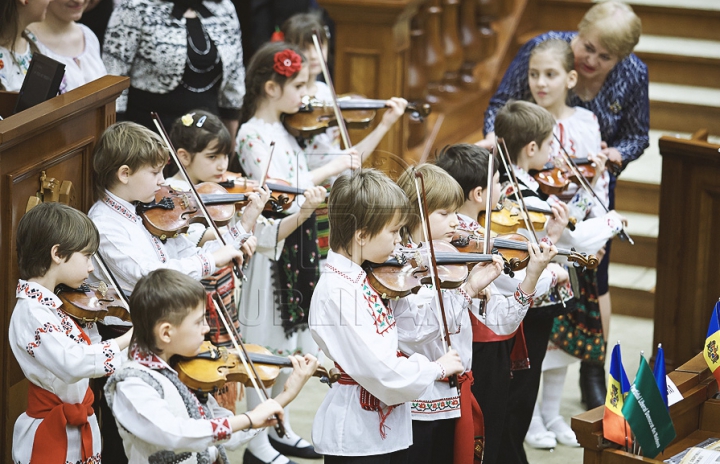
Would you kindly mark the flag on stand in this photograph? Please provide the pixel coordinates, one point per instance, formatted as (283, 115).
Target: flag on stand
(712, 343)
(615, 428)
(659, 373)
(646, 413)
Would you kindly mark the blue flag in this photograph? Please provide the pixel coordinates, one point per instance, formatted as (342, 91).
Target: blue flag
(659, 373)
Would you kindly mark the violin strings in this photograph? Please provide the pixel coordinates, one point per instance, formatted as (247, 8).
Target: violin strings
(516, 189)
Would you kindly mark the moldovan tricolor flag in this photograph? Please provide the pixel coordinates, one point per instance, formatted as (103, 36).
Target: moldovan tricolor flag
(712, 343)
(615, 428)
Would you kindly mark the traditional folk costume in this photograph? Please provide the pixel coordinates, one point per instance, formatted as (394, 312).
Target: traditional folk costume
(368, 413)
(498, 345)
(276, 300)
(589, 236)
(162, 421)
(58, 356)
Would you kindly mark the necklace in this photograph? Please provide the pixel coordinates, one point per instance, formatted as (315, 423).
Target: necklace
(206, 39)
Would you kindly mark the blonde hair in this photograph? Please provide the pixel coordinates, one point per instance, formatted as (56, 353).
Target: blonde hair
(441, 192)
(616, 23)
(125, 143)
(366, 200)
(519, 123)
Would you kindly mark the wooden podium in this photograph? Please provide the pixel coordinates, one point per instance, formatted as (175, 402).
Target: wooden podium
(688, 268)
(696, 418)
(57, 138)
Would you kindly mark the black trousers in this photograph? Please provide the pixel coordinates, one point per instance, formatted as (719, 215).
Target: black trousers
(398, 457)
(491, 371)
(433, 441)
(524, 388)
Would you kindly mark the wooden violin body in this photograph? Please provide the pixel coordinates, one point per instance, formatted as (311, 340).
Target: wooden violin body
(282, 194)
(405, 274)
(173, 211)
(92, 303)
(556, 177)
(315, 116)
(514, 250)
(214, 366)
(509, 218)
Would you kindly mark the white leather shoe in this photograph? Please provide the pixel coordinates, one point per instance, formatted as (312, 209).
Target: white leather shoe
(562, 431)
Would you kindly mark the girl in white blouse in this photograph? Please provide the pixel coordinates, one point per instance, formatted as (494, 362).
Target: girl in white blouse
(70, 43)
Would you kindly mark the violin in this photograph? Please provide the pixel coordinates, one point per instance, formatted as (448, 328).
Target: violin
(555, 178)
(92, 302)
(282, 194)
(209, 370)
(315, 116)
(173, 211)
(514, 250)
(409, 270)
(509, 218)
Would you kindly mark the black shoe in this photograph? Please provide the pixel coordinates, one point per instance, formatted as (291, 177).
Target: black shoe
(307, 452)
(249, 458)
(593, 389)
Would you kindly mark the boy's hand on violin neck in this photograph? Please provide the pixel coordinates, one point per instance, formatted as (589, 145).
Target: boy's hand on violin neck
(555, 225)
(255, 207)
(303, 368)
(482, 275)
(350, 159)
(225, 255)
(451, 363)
(540, 256)
(314, 196)
(612, 153)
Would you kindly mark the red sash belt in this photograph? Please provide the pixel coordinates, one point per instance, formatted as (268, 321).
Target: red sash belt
(50, 444)
(368, 401)
(470, 426)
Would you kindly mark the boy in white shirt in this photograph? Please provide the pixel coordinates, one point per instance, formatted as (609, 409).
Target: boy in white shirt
(366, 417)
(159, 418)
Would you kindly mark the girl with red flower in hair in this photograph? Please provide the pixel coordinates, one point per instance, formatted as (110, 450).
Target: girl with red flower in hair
(274, 305)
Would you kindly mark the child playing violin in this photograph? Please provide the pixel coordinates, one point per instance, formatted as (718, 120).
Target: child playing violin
(498, 344)
(444, 420)
(325, 147)
(160, 419)
(366, 418)
(551, 78)
(527, 131)
(275, 83)
(57, 354)
(203, 142)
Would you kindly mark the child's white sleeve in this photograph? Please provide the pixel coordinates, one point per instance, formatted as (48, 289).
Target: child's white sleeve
(58, 349)
(419, 319)
(238, 438)
(140, 409)
(503, 311)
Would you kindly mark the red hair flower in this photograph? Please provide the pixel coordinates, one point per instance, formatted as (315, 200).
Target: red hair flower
(277, 36)
(287, 63)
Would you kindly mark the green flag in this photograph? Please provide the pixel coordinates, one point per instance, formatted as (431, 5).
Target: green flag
(645, 411)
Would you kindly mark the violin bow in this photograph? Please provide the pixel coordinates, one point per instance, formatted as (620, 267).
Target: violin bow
(516, 189)
(453, 379)
(482, 300)
(111, 278)
(244, 357)
(431, 139)
(586, 185)
(328, 80)
(173, 154)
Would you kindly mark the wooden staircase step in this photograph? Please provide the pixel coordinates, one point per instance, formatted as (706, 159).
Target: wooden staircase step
(643, 228)
(694, 19)
(684, 108)
(632, 290)
(639, 197)
(678, 60)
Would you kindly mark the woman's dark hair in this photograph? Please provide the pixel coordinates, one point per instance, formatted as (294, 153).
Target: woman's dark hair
(259, 71)
(197, 129)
